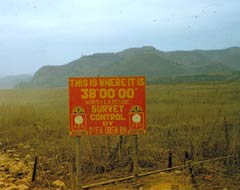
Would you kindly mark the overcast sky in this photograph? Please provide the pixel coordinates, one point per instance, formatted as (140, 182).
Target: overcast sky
(34, 33)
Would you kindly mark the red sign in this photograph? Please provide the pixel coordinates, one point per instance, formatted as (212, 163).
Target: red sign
(107, 106)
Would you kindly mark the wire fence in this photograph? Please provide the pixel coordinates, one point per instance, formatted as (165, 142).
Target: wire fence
(220, 173)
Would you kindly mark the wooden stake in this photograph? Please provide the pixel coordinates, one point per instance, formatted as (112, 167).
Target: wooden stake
(34, 174)
(72, 175)
(170, 159)
(120, 147)
(135, 159)
(78, 162)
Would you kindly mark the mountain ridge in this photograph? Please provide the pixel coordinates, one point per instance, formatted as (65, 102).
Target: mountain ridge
(12, 81)
(145, 60)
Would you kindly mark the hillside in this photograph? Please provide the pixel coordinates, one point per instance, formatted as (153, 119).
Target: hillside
(9, 82)
(156, 65)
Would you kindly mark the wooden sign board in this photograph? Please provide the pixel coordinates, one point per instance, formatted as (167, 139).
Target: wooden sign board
(107, 106)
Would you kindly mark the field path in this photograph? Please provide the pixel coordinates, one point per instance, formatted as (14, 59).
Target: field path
(161, 181)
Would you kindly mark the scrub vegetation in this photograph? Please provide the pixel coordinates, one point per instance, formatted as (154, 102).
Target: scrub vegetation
(201, 119)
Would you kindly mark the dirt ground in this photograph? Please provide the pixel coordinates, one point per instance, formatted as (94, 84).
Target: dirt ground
(161, 181)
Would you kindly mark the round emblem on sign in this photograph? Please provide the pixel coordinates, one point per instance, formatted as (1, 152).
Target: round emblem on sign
(78, 119)
(136, 118)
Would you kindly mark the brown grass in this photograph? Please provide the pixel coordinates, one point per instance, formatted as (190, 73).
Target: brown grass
(198, 118)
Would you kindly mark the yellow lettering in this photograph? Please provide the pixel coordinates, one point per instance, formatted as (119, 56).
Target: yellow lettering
(78, 82)
(107, 108)
(112, 82)
(131, 81)
(107, 117)
(141, 81)
(113, 130)
(93, 82)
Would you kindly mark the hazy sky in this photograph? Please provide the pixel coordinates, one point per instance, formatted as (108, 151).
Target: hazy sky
(34, 33)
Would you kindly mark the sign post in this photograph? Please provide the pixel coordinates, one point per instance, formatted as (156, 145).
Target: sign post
(78, 162)
(107, 106)
(135, 161)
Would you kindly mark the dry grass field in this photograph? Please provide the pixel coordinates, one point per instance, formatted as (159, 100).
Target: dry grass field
(202, 119)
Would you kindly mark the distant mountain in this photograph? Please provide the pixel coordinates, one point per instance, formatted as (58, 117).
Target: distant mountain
(9, 82)
(156, 65)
